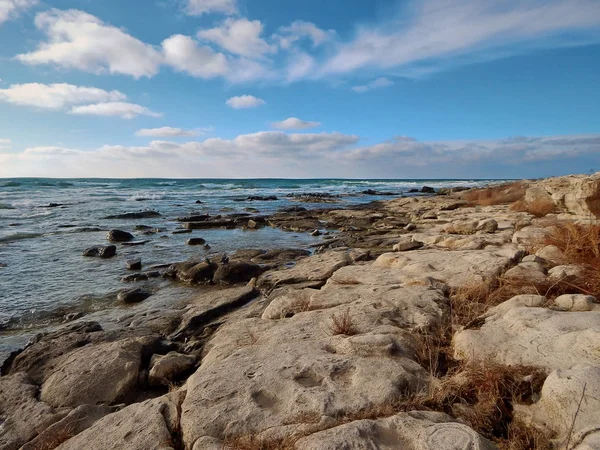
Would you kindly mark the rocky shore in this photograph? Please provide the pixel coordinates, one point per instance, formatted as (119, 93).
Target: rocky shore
(468, 320)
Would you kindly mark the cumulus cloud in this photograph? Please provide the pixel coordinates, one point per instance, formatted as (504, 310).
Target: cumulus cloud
(200, 7)
(5, 144)
(245, 101)
(240, 37)
(376, 84)
(56, 96)
(275, 153)
(293, 123)
(185, 55)
(121, 109)
(13, 8)
(438, 29)
(78, 40)
(289, 35)
(166, 132)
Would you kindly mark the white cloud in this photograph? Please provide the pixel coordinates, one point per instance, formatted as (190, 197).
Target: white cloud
(167, 132)
(438, 29)
(56, 96)
(298, 30)
(120, 109)
(199, 7)
(376, 84)
(10, 9)
(293, 123)
(185, 55)
(77, 40)
(240, 37)
(245, 101)
(5, 144)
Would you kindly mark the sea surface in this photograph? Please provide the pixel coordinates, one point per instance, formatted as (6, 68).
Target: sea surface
(43, 275)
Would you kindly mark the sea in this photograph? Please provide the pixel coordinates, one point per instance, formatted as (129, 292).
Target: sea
(44, 278)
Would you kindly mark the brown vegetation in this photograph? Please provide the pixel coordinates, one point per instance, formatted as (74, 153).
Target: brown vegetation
(538, 208)
(342, 324)
(496, 195)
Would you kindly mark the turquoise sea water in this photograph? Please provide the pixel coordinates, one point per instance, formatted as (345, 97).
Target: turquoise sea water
(44, 275)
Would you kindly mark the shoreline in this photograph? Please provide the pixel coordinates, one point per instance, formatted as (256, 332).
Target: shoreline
(361, 335)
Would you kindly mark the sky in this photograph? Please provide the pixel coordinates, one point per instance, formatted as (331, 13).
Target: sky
(299, 89)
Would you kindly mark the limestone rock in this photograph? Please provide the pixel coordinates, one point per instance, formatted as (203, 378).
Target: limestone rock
(462, 227)
(566, 272)
(149, 425)
(576, 302)
(166, 368)
(407, 244)
(533, 336)
(237, 272)
(575, 194)
(518, 301)
(552, 254)
(530, 272)
(94, 374)
(287, 302)
(529, 235)
(487, 226)
(22, 415)
(418, 430)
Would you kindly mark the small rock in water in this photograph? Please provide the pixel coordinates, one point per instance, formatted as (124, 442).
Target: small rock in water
(119, 236)
(134, 244)
(198, 202)
(134, 264)
(72, 316)
(427, 190)
(102, 251)
(134, 277)
(182, 231)
(252, 224)
(206, 247)
(133, 296)
(316, 233)
(54, 205)
(3, 265)
(196, 241)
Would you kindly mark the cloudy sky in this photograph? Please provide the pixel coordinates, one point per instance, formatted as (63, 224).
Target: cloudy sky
(289, 88)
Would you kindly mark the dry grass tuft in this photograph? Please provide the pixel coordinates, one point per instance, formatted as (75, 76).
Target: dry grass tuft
(470, 301)
(342, 324)
(496, 195)
(538, 208)
(522, 436)
(579, 242)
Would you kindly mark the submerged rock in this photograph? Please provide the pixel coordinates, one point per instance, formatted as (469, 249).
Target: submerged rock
(101, 251)
(134, 264)
(119, 236)
(196, 241)
(136, 215)
(133, 296)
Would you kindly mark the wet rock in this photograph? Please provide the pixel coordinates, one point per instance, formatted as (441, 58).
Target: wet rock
(427, 190)
(196, 241)
(95, 374)
(136, 215)
(192, 271)
(23, 415)
(142, 426)
(252, 224)
(374, 192)
(101, 251)
(135, 277)
(292, 209)
(196, 218)
(134, 264)
(119, 236)
(216, 223)
(53, 205)
(135, 244)
(237, 272)
(133, 296)
(258, 198)
(182, 231)
(164, 369)
(316, 233)
(3, 265)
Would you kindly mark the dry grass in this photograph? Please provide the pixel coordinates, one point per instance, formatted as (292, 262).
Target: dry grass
(579, 242)
(538, 208)
(522, 436)
(496, 195)
(342, 324)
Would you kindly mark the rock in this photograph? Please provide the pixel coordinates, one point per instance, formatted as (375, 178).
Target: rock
(414, 430)
(518, 301)
(166, 368)
(576, 302)
(564, 404)
(529, 235)
(137, 243)
(133, 296)
(102, 251)
(134, 264)
(427, 190)
(407, 244)
(94, 374)
(252, 224)
(196, 218)
(429, 216)
(258, 198)
(119, 236)
(23, 416)
(410, 227)
(141, 426)
(487, 226)
(135, 277)
(374, 192)
(529, 272)
(136, 215)
(217, 223)
(535, 337)
(534, 259)
(78, 420)
(552, 254)
(237, 272)
(287, 302)
(182, 231)
(212, 305)
(566, 273)
(575, 194)
(279, 256)
(291, 209)
(462, 227)
(196, 241)
(53, 205)
(192, 271)
(316, 233)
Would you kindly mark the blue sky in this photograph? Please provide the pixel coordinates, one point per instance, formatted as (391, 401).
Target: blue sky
(282, 88)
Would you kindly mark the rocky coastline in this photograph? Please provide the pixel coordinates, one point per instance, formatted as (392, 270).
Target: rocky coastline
(468, 320)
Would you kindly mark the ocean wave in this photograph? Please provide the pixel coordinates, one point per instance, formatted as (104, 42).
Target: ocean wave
(19, 236)
(6, 206)
(147, 197)
(11, 184)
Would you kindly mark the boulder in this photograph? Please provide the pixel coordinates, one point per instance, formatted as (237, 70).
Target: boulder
(552, 254)
(119, 236)
(196, 241)
(533, 336)
(102, 251)
(414, 430)
(23, 415)
(166, 368)
(566, 273)
(427, 190)
(576, 302)
(407, 244)
(141, 426)
(237, 272)
(133, 296)
(134, 264)
(529, 272)
(95, 374)
(192, 271)
(462, 227)
(487, 226)
(575, 194)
